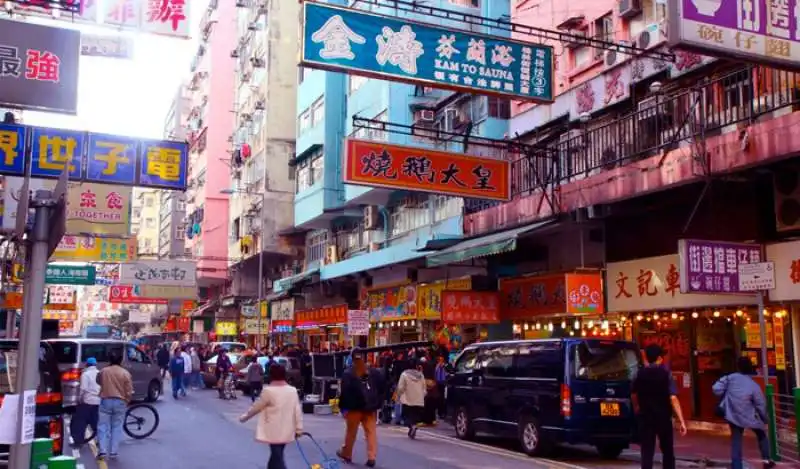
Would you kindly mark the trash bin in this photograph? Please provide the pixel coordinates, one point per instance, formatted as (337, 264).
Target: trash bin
(62, 462)
(41, 452)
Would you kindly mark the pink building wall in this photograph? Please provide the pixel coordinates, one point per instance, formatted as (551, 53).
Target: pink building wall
(218, 121)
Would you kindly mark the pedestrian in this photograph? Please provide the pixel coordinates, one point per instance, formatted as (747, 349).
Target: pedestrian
(162, 358)
(432, 392)
(116, 390)
(743, 406)
(196, 381)
(187, 370)
(655, 398)
(361, 396)
(411, 391)
(223, 367)
(177, 369)
(440, 376)
(87, 411)
(280, 416)
(255, 378)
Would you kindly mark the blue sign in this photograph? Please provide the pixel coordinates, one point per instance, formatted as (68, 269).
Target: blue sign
(12, 149)
(364, 43)
(91, 157)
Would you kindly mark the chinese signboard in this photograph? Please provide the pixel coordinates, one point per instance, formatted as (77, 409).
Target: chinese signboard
(713, 266)
(525, 297)
(400, 167)
(70, 274)
(167, 292)
(786, 257)
(39, 67)
(107, 159)
(755, 30)
(169, 273)
(429, 296)
(653, 284)
(131, 294)
(282, 310)
(61, 297)
(114, 47)
(470, 307)
(358, 322)
(256, 326)
(391, 304)
(324, 316)
(585, 293)
(347, 40)
(98, 209)
(87, 248)
(225, 328)
(163, 17)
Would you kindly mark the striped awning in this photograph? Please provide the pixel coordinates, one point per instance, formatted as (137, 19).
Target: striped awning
(489, 245)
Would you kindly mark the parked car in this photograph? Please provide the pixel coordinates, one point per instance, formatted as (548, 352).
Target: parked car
(210, 368)
(71, 355)
(49, 420)
(293, 374)
(546, 392)
(230, 347)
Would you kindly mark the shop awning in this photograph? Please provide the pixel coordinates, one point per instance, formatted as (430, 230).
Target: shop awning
(287, 283)
(483, 246)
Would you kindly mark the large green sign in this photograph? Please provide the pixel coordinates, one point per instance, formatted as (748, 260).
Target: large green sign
(61, 274)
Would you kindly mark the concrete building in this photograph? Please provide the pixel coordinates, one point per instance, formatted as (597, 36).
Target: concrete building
(211, 91)
(145, 220)
(172, 211)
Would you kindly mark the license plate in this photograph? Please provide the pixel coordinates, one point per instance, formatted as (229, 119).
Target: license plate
(609, 409)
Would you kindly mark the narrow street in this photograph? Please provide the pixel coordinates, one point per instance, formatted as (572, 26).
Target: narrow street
(203, 432)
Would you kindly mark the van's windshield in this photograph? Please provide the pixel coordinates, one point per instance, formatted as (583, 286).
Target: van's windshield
(604, 361)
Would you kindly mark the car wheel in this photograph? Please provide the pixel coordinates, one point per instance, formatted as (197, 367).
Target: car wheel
(464, 428)
(531, 437)
(153, 391)
(610, 451)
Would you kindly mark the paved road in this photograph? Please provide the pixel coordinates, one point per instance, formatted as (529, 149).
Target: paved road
(203, 432)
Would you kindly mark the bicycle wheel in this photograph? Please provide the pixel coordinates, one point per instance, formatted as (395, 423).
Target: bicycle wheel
(141, 420)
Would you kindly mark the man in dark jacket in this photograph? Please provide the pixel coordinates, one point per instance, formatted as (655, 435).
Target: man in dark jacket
(362, 395)
(162, 358)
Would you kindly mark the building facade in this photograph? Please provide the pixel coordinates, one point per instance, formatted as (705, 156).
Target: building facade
(172, 207)
(145, 221)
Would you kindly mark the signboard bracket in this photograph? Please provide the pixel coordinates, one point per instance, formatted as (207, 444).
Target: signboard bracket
(542, 34)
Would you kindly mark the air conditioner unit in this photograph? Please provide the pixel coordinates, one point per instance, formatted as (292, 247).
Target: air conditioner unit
(786, 186)
(654, 34)
(424, 115)
(651, 107)
(574, 43)
(371, 217)
(612, 58)
(629, 8)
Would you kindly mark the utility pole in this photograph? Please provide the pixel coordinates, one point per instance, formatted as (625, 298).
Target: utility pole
(48, 227)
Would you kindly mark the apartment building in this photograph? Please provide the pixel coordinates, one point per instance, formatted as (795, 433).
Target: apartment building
(145, 220)
(172, 211)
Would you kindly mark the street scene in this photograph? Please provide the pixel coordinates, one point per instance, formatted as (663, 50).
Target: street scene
(399, 234)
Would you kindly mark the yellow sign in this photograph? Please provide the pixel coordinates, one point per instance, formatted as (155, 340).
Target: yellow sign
(86, 248)
(263, 308)
(59, 307)
(252, 326)
(98, 209)
(226, 328)
(780, 344)
(429, 296)
(753, 338)
(167, 292)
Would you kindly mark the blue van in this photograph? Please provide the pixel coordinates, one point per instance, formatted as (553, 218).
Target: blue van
(546, 392)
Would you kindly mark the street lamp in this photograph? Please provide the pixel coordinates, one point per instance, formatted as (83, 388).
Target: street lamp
(262, 237)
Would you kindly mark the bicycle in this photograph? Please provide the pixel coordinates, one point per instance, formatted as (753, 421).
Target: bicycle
(133, 424)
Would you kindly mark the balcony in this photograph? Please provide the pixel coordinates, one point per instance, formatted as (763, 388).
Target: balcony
(672, 137)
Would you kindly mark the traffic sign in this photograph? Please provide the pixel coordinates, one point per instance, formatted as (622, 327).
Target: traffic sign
(61, 274)
(757, 276)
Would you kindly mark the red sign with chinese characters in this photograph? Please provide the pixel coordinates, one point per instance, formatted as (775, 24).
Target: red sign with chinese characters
(184, 324)
(127, 294)
(401, 167)
(324, 316)
(470, 307)
(527, 297)
(585, 293)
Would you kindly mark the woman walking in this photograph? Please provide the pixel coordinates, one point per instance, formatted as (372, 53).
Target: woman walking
(362, 393)
(743, 406)
(280, 416)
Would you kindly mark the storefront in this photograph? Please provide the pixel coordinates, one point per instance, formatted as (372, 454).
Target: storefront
(324, 328)
(465, 317)
(393, 312)
(282, 330)
(702, 334)
(785, 304)
(558, 305)
(429, 312)
(226, 330)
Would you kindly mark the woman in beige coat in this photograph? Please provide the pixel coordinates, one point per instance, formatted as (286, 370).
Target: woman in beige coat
(280, 419)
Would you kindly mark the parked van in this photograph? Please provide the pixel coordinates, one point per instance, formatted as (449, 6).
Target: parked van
(72, 354)
(546, 392)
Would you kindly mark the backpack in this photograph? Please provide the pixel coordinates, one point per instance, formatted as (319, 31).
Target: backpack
(370, 393)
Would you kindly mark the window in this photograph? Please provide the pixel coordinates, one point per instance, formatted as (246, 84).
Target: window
(583, 56)
(149, 201)
(310, 170)
(355, 82)
(303, 122)
(317, 112)
(499, 108)
(445, 207)
(467, 361)
(150, 223)
(539, 361)
(148, 243)
(466, 3)
(134, 355)
(411, 213)
(603, 31)
(235, 229)
(373, 134)
(653, 12)
(101, 352)
(498, 361)
(597, 361)
(316, 245)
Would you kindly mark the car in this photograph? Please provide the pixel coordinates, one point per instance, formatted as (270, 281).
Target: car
(230, 347)
(210, 368)
(49, 420)
(71, 355)
(293, 374)
(546, 392)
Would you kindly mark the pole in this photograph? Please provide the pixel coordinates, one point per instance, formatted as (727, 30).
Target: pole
(261, 267)
(31, 330)
(762, 325)
(772, 425)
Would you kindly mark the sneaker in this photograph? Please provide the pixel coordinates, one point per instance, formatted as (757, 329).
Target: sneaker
(101, 456)
(341, 456)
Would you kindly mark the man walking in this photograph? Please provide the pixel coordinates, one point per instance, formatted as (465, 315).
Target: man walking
(655, 398)
(177, 368)
(195, 379)
(162, 358)
(187, 370)
(87, 412)
(116, 389)
(411, 391)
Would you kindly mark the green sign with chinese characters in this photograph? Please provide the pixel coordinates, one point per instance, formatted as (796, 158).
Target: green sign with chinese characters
(61, 274)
